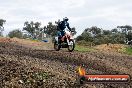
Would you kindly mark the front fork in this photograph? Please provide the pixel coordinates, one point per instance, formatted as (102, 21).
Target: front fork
(70, 43)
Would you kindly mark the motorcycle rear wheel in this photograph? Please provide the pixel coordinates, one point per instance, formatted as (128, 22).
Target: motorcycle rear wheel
(56, 46)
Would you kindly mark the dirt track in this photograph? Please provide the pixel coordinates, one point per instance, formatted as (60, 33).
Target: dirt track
(26, 67)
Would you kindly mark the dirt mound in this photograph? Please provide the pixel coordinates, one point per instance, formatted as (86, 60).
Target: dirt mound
(110, 47)
(28, 43)
(6, 40)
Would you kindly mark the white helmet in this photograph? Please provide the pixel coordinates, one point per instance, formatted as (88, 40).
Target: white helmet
(66, 19)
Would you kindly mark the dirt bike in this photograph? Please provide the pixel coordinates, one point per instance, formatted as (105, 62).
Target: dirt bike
(68, 42)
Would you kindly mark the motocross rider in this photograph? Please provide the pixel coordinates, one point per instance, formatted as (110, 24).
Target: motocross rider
(61, 28)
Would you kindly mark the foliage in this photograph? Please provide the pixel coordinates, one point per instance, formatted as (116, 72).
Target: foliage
(85, 43)
(129, 50)
(33, 29)
(50, 29)
(121, 34)
(16, 33)
(25, 36)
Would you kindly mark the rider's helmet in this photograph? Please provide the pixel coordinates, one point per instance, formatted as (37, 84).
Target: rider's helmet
(66, 19)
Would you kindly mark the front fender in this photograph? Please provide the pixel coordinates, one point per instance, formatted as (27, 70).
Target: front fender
(69, 43)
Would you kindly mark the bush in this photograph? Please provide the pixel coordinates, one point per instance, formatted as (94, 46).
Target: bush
(15, 33)
(84, 43)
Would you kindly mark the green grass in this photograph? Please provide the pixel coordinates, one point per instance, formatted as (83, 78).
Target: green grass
(81, 48)
(128, 50)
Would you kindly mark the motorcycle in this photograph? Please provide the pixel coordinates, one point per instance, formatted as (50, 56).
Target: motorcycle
(69, 42)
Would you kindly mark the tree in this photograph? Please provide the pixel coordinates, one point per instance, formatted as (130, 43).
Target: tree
(127, 31)
(29, 28)
(51, 29)
(79, 38)
(15, 33)
(94, 30)
(1, 26)
(106, 32)
(98, 36)
(33, 29)
(86, 35)
(38, 30)
(115, 30)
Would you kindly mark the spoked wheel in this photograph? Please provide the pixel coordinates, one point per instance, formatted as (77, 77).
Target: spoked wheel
(71, 46)
(56, 46)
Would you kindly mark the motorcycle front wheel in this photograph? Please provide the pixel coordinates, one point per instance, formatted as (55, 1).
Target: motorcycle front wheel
(71, 46)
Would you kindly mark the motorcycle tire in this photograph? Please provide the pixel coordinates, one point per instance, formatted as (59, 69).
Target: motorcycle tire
(56, 46)
(73, 46)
